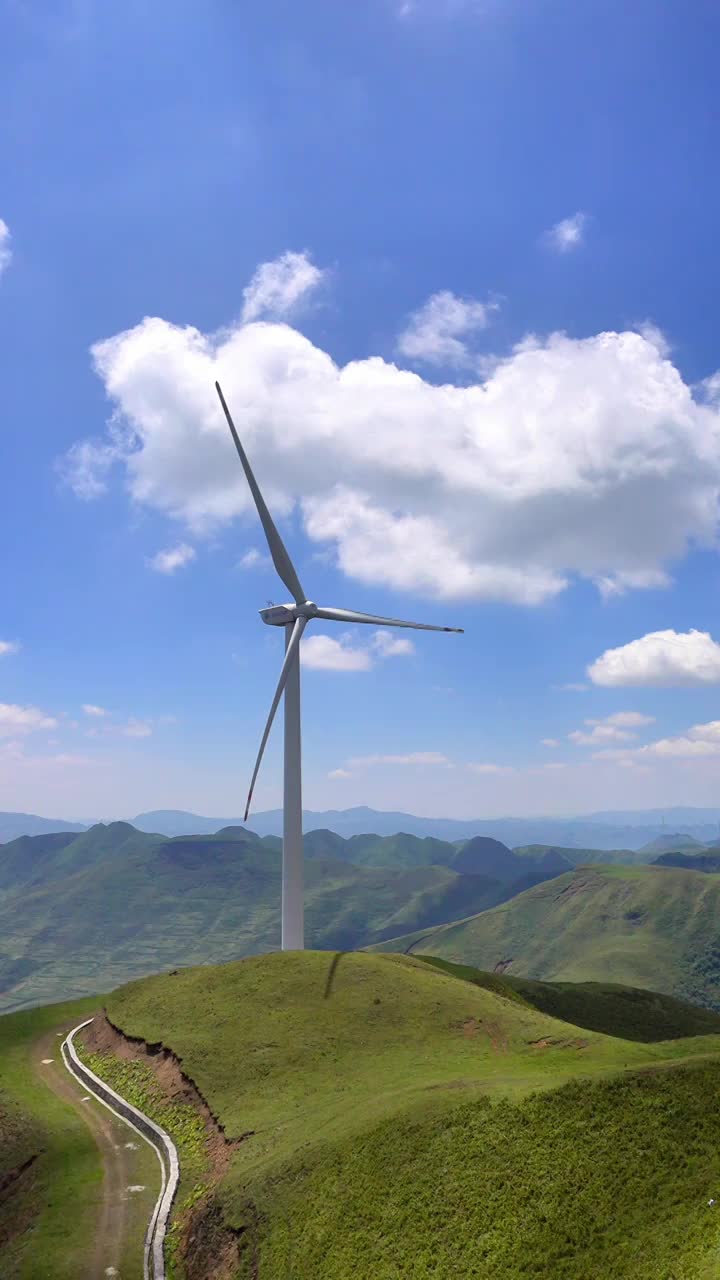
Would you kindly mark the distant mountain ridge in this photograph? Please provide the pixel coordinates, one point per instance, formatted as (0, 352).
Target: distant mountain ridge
(610, 831)
(581, 832)
(13, 825)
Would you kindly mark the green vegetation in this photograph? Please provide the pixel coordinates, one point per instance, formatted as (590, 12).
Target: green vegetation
(614, 1010)
(650, 927)
(45, 1211)
(80, 913)
(405, 1123)
(137, 1083)
(592, 1181)
(581, 857)
(707, 862)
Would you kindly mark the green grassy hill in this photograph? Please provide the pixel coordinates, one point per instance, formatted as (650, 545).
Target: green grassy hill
(400, 1121)
(629, 1012)
(652, 927)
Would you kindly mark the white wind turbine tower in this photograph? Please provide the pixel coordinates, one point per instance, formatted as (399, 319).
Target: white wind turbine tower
(294, 618)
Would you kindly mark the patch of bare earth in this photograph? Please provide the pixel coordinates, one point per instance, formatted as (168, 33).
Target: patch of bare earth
(210, 1248)
(472, 1027)
(549, 1042)
(16, 1212)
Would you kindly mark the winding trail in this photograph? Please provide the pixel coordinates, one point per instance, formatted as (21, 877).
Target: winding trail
(56, 1063)
(112, 1219)
(152, 1133)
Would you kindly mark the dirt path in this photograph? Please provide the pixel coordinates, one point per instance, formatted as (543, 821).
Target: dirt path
(105, 1256)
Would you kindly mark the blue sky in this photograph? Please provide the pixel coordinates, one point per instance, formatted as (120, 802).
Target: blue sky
(455, 262)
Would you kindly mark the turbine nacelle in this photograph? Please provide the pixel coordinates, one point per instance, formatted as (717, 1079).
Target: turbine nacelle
(281, 615)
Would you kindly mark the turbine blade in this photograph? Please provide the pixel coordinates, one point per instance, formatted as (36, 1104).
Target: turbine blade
(291, 653)
(278, 550)
(349, 615)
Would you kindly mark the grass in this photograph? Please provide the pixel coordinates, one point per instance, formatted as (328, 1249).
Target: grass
(408, 1125)
(627, 1012)
(650, 927)
(56, 1200)
(588, 1182)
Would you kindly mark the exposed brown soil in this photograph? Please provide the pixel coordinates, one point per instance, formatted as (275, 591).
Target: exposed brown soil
(102, 1037)
(17, 1210)
(576, 886)
(9, 1179)
(472, 1027)
(209, 1245)
(549, 1042)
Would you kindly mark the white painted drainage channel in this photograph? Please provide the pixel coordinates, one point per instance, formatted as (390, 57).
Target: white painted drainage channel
(157, 1138)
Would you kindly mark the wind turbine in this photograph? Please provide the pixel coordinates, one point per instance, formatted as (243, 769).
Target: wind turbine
(294, 618)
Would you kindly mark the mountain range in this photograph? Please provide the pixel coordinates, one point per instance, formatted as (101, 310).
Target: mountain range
(81, 912)
(624, 829)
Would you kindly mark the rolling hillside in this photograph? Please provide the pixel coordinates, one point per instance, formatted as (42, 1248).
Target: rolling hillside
(651, 927)
(81, 914)
(397, 1120)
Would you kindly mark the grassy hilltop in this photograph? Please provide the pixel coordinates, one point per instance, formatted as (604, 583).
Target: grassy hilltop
(655, 927)
(400, 1121)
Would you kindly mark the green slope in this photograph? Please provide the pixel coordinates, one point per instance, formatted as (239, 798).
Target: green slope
(628, 1012)
(49, 1210)
(400, 1122)
(708, 862)
(652, 927)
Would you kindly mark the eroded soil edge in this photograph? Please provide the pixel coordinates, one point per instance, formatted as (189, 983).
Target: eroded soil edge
(209, 1248)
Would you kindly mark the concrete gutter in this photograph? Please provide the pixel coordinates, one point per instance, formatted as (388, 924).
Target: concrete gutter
(157, 1138)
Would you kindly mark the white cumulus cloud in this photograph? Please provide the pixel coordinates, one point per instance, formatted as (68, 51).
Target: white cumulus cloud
(625, 719)
(436, 333)
(277, 287)
(7, 647)
(573, 457)
(698, 741)
(91, 709)
(660, 659)
(325, 653)
(348, 653)
(15, 719)
(5, 250)
(253, 559)
(549, 742)
(172, 558)
(618, 727)
(567, 234)
(388, 644)
(413, 758)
